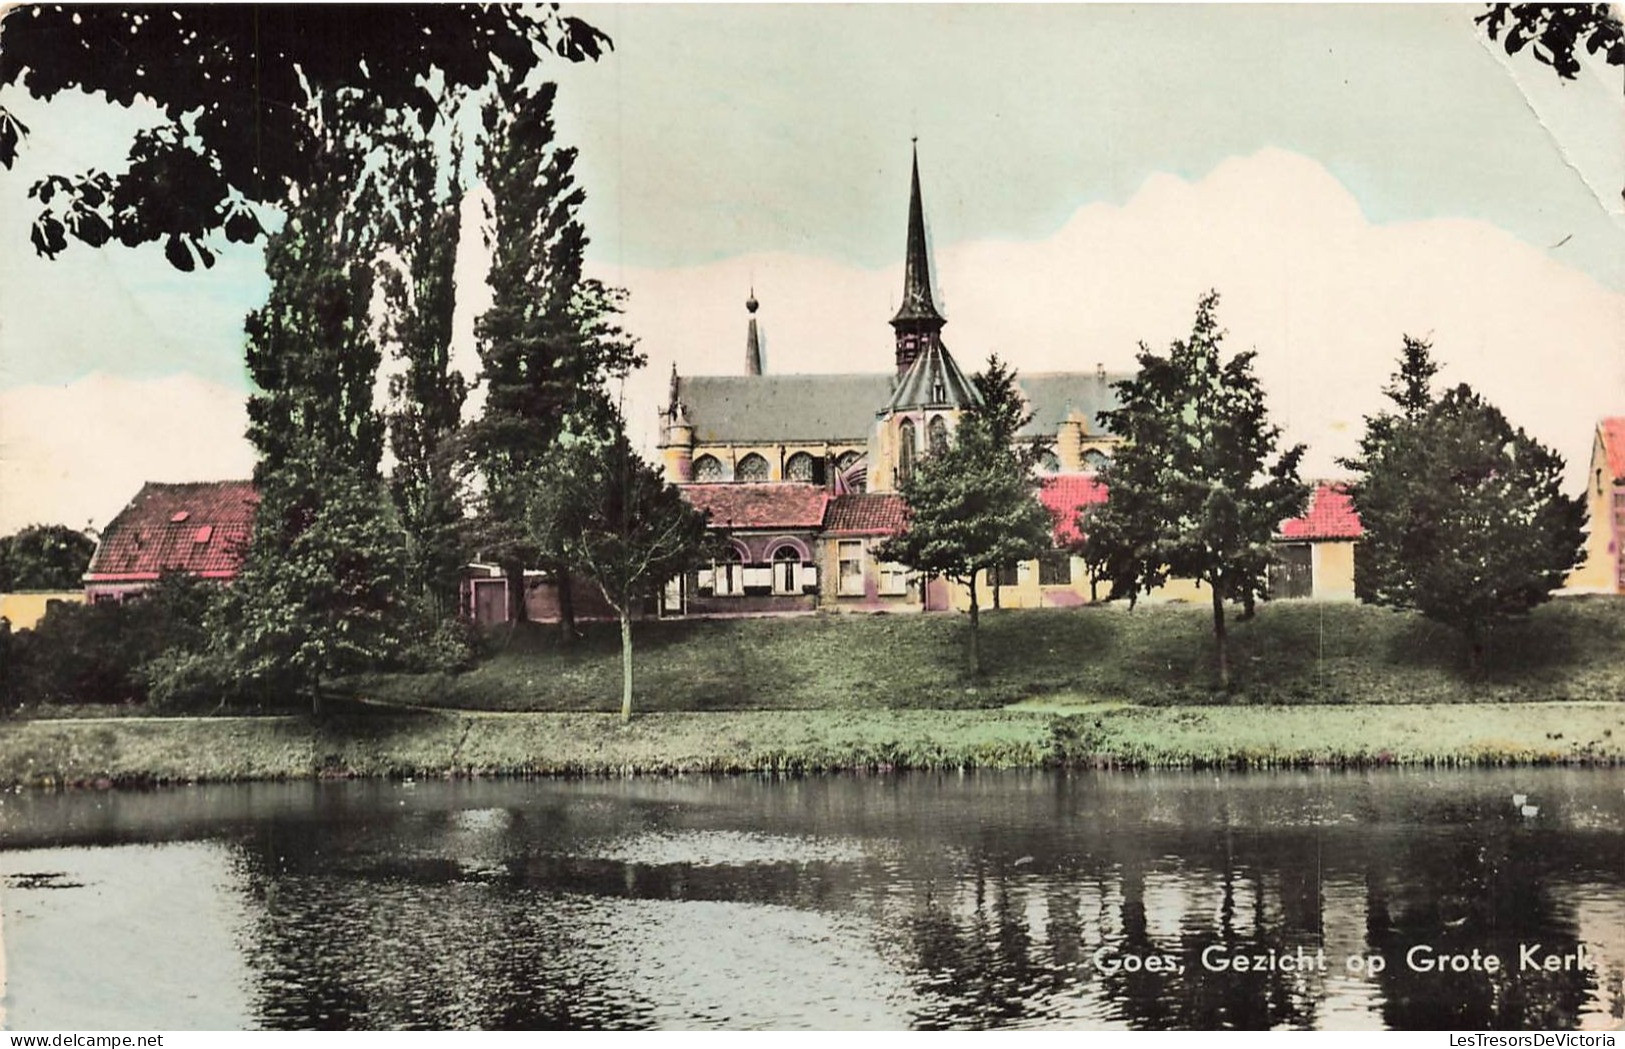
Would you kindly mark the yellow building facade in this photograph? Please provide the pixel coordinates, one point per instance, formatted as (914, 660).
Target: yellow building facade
(1604, 569)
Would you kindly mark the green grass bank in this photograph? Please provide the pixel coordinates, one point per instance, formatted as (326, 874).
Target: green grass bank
(132, 751)
(1290, 653)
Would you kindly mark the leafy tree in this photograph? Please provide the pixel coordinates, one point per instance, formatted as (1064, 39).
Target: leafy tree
(630, 533)
(1004, 411)
(45, 557)
(1557, 31)
(1464, 516)
(971, 508)
(319, 593)
(1197, 491)
(244, 93)
(427, 395)
(549, 343)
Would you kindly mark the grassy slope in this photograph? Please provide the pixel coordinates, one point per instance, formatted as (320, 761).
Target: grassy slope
(44, 753)
(1292, 653)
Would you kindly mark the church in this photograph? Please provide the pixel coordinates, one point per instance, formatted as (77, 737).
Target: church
(802, 470)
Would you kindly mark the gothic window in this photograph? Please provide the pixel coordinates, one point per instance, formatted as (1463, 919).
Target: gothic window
(799, 467)
(751, 468)
(936, 435)
(846, 461)
(905, 451)
(1048, 463)
(707, 468)
(786, 569)
(1095, 459)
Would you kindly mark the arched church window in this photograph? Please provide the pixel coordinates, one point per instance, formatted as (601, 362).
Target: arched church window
(707, 468)
(936, 435)
(905, 450)
(1095, 459)
(1048, 462)
(846, 461)
(786, 568)
(751, 468)
(799, 467)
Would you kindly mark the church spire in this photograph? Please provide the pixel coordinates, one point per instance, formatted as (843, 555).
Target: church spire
(917, 323)
(753, 339)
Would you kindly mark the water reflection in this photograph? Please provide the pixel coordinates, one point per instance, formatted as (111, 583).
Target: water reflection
(1144, 901)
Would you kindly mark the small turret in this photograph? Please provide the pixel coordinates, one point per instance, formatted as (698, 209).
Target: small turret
(753, 338)
(676, 435)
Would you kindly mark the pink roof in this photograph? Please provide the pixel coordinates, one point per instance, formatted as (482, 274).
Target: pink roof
(199, 528)
(1612, 432)
(1063, 495)
(1330, 516)
(866, 513)
(759, 505)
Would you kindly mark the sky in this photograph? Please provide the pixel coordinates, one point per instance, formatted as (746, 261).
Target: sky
(1342, 175)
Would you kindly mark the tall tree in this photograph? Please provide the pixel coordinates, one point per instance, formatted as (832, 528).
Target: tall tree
(45, 557)
(319, 591)
(427, 393)
(1198, 490)
(628, 531)
(1005, 412)
(549, 344)
(238, 86)
(972, 508)
(1464, 516)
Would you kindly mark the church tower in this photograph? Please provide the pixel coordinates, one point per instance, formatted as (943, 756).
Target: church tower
(917, 325)
(930, 391)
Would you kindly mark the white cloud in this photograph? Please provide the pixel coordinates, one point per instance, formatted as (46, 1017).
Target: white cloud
(76, 454)
(1320, 293)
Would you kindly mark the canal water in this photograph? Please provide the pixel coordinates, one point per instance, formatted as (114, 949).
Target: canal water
(1390, 898)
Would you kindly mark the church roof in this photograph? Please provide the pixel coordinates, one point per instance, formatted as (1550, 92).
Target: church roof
(784, 408)
(934, 380)
(1053, 396)
(759, 505)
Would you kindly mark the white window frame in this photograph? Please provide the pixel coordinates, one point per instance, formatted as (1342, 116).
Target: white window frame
(850, 586)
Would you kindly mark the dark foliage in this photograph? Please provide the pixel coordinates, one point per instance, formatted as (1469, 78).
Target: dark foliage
(243, 89)
(1556, 33)
(44, 557)
(1464, 515)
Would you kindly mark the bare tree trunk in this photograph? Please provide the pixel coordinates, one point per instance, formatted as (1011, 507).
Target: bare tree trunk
(518, 609)
(975, 635)
(626, 664)
(1219, 638)
(997, 575)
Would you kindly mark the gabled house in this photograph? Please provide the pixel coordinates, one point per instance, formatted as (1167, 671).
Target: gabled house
(201, 528)
(770, 563)
(1316, 550)
(1604, 568)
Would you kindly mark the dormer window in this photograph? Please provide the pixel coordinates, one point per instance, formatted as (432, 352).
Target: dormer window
(179, 515)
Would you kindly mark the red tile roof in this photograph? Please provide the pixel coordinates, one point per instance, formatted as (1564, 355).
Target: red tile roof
(866, 513)
(1330, 516)
(765, 505)
(1062, 495)
(199, 528)
(1612, 432)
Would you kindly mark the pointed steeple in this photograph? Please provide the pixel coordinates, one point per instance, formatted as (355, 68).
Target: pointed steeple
(753, 339)
(917, 324)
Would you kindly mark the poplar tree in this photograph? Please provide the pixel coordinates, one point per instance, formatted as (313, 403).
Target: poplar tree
(427, 393)
(549, 344)
(1198, 489)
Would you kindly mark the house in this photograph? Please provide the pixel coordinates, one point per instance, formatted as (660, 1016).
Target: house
(1316, 550)
(770, 563)
(201, 528)
(1604, 569)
